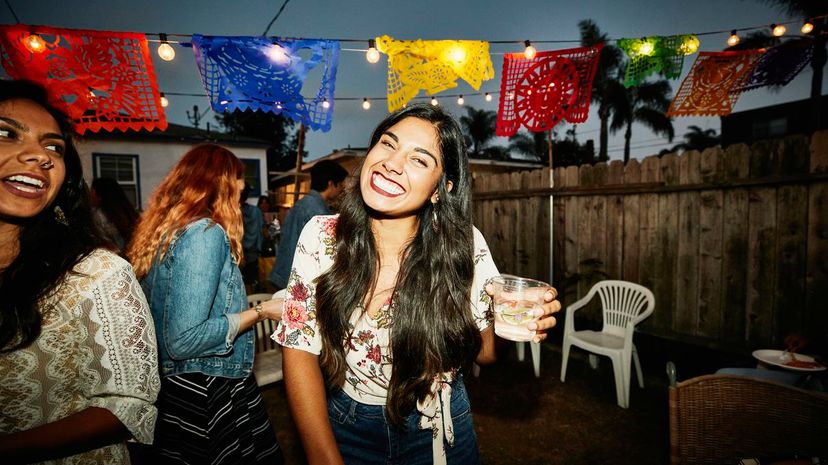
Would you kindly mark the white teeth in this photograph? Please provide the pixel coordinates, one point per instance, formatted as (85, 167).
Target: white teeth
(26, 180)
(387, 186)
(25, 189)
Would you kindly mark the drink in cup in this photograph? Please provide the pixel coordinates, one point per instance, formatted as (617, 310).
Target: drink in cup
(515, 302)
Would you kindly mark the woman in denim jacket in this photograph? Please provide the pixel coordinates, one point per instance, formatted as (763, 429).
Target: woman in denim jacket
(186, 251)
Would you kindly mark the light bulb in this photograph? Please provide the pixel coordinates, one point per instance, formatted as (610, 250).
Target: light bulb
(372, 55)
(277, 55)
(165, 50)
(733, 39)
(488, 97)
(35, 43)
(434, 101)
(326, 104)
(164, 101)
(529, 52)
(807, 27)
(278, 105)
(778, 30)
(366, 104)
(690, 45)
(461, 100)
(457, 54)
(646, 48)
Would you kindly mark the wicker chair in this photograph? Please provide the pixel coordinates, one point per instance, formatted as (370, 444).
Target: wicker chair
(721, 419)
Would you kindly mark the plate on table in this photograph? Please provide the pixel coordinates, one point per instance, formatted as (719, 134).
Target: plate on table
(783, 359)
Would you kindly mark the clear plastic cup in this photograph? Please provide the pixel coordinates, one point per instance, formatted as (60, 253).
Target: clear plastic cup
(515, 302)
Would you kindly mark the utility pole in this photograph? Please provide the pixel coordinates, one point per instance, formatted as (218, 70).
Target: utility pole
(300, 146)
(195, 118)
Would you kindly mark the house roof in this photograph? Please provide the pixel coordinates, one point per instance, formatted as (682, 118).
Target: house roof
(179, 133)
(350, 155)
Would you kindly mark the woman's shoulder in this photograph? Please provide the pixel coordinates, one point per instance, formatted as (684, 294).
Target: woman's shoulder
(96, 267)
(323, 224)
(205, 231)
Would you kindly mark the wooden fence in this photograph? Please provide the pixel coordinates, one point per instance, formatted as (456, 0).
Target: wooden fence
(733, 243)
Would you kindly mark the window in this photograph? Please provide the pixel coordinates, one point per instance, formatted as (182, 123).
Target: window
(252, 170)
(121, 168)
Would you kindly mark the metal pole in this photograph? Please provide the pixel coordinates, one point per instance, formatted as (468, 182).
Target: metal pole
(551, 212)
(300, 144)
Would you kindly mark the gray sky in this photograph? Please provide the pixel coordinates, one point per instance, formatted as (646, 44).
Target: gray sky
(407, 19)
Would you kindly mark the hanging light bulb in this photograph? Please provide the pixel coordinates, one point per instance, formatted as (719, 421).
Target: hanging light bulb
(278, 105)
(807, 27)
(529, 52)
(326, 104)
(690, 45)
(164, 101)
(733, 39)
(778, 30)
(372, 55)
(457, 54)
(488, 97)
(461, 100)
(366, 104)
(646, 48)
(277, 54)
(165, 50)
(434, 101)
(34, 43)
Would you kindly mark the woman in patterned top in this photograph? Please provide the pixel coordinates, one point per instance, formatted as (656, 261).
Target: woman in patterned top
(387, 301)
(78, 361)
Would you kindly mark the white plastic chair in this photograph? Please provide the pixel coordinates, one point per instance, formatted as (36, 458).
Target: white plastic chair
(267, 364)
(624, 305)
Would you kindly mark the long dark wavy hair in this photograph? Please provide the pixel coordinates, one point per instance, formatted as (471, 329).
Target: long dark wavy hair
(49, 248)
(433, 329)
(116, 206)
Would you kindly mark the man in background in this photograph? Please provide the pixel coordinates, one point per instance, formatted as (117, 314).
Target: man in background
(327, 182)
(252, 240)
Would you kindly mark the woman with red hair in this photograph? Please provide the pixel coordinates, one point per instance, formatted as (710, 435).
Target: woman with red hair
(186, 250)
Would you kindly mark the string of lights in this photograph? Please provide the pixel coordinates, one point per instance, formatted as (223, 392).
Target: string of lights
(166, 52)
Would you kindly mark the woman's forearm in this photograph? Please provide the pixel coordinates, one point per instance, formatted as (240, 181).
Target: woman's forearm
(86, 430)
(308, 405)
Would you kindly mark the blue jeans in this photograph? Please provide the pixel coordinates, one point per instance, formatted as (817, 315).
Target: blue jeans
(365, 436)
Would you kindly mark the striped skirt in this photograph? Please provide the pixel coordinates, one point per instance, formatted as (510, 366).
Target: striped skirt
(212, 420)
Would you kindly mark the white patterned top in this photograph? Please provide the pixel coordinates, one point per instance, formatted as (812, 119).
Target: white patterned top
(97, 349)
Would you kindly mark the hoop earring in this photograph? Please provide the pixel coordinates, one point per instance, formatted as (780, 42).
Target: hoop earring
(435, 226)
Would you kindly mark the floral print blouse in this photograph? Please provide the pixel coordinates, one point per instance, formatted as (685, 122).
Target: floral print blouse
(369, 355)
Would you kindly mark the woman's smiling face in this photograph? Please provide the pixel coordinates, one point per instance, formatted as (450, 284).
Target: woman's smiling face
(32, 168)
(401, 171)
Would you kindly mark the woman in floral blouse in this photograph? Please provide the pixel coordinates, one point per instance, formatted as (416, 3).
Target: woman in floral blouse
(78, 360)
(387, 301)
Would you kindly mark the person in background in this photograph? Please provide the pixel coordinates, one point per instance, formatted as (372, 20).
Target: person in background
(327, 183)
(186, 250)
(114, 214)
(78, 359)
(388, 301)
(271, 228)
(252, 240)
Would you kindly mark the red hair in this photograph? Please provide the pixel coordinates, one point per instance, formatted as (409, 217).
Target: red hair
(203, 184)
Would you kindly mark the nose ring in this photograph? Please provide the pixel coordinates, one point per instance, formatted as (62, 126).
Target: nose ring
(47, 164)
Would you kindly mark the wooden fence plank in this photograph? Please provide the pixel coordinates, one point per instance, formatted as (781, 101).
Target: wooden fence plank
(648, 251)
(710, 311)
(573, 213)
(665, 264)
(632, 220)
(687, 274)
(734, 243)
(815, 319)
(761, 248)
(792, 227)
(615, 223)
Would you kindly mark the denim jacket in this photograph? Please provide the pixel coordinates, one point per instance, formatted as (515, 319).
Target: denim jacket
(195, 294)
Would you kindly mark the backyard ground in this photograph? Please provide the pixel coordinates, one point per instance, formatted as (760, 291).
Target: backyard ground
(521, 419)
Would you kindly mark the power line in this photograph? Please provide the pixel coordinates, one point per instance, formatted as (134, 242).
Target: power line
(269, 25)
(16, 19)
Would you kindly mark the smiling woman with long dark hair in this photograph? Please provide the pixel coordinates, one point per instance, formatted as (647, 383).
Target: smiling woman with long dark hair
(78, 361)
(386, 303)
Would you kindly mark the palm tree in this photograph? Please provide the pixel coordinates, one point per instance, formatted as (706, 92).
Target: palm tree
(805, 9)
(533, 144)
(606, 87)
(479, 129)
(645, 104)
(697, 138)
